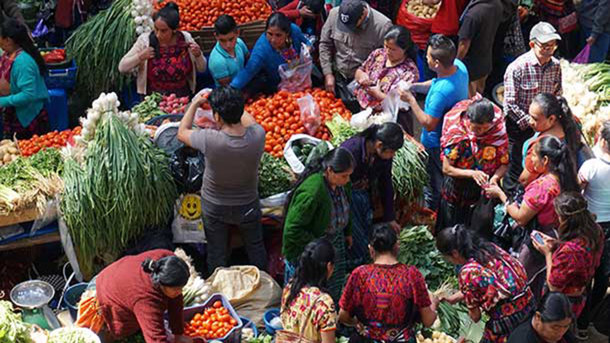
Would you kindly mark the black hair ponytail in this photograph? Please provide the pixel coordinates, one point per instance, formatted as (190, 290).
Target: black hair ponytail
(389, 134)
(552, 105)
(312, 268)
(554, 307)
(560, 163)
(468, 244)
(169, 271)
(384, 239)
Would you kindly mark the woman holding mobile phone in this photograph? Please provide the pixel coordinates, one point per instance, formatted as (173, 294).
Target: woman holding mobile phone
(572, 258)
(557, 175)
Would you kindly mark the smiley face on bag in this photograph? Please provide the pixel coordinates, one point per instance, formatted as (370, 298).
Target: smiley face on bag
(191, 207)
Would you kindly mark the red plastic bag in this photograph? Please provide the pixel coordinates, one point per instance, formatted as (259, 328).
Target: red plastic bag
(583, 56)
(419, 27)
(310, 114)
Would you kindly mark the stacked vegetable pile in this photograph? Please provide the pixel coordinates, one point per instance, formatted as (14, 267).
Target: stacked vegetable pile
(274, 176)
(119, 187)
(281, 117)
(8, 151)
(421, 9)
(54, 139)
(215, 322)
(195, 15)
(29, 182)
(98, 45)
(586, 87)
(417, 248)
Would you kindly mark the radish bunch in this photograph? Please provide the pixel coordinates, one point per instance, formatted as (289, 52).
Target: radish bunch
(172, 104)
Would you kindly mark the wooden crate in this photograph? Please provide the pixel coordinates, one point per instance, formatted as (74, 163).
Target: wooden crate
(249, 33)
(21, 216)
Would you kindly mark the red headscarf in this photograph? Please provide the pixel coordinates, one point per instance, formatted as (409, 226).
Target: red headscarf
(456, 128)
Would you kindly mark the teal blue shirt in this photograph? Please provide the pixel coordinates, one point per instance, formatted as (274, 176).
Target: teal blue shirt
(28, 90)
(223, 65)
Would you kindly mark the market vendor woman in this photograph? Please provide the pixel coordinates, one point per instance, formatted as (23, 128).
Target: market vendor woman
(319, 206)
(23, 92)
(373, 150)
(166, 60)
(133, 294)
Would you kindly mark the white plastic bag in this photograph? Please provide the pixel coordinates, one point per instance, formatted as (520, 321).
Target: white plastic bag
(392, 104)
(360, 120)
(187, 226)
(310, 113)
(293, 161)
(296, 75)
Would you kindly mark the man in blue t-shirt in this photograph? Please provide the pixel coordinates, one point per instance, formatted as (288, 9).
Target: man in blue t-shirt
(448, 88)
(229, 54)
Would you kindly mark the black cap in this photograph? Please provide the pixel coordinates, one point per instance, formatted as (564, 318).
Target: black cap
(350, 12)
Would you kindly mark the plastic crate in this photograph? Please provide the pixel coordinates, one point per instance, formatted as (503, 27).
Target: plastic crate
(57, 108)
(61, 78)
(234, 336)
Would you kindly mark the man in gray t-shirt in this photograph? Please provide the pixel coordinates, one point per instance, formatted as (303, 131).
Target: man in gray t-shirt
(230, 180)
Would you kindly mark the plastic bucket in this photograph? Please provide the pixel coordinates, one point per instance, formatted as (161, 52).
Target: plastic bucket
(72, 297)
(267, 317)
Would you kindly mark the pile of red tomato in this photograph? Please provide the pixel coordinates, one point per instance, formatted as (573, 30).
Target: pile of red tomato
(281, 117)
(197, 14)
(54, 139)
(215, 322)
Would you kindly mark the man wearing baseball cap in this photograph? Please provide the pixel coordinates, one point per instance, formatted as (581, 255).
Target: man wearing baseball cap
(351, 32)
(534, 72)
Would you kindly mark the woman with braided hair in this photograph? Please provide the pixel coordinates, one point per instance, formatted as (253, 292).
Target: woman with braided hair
(489, 279)
(307, 308)
(572, 258)
(133, 294)
(556, 174)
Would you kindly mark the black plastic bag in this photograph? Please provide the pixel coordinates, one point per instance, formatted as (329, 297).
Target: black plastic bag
(187, 165)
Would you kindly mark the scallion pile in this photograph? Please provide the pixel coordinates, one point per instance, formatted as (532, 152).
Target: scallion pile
(123, 187)
(98, 45)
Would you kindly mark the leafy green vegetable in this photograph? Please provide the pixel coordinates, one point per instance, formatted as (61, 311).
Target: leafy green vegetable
(340, 129)
(273, 176)
(417, 248)
(12, 328)
(123, 188)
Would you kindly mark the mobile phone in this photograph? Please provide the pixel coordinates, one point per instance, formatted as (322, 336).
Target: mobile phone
(538, 237)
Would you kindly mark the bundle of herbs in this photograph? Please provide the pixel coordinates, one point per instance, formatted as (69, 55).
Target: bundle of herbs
(274, 176)
(122, 188)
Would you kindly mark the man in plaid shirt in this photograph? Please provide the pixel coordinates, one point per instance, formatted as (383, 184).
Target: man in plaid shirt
(534, 72)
